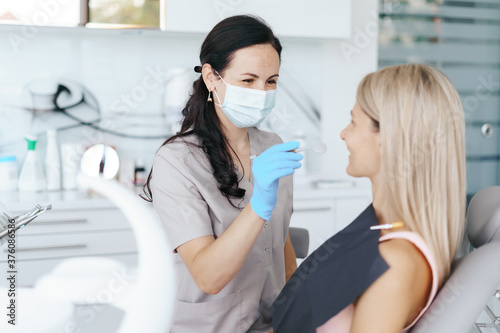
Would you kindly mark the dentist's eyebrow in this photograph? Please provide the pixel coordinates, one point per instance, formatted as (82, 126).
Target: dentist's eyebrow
(256, 76)
(251, 74)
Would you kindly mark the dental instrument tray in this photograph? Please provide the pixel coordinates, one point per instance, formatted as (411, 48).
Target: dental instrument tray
(18, 221)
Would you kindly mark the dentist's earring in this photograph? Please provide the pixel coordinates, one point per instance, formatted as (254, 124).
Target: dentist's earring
(209, 97)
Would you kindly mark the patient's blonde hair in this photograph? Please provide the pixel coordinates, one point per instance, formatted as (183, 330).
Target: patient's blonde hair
(422, 153)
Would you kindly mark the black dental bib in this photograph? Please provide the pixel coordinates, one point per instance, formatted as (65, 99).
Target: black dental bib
(331, 278)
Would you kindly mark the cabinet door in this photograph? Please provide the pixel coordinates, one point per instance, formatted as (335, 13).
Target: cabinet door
(62, 234)
(69, 221)
(317, 217)
(28, 272)
(34, 247)
(38, 254)
(312, 18)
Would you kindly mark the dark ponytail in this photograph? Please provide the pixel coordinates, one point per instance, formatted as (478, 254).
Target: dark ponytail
(199, 116)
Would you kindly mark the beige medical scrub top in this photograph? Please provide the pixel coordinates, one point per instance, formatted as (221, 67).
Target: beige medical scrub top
(190, 206)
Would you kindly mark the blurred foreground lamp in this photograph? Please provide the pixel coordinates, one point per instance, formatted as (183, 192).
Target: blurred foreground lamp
(147, 301)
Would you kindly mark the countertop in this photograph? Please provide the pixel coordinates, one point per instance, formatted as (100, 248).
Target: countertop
(16, 201)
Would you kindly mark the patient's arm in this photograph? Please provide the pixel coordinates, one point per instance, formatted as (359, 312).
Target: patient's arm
(290, 258)
(396, 298)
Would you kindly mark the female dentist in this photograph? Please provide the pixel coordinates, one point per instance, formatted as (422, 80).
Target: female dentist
(227, 216)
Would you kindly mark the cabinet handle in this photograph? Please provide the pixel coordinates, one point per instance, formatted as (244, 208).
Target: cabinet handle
(65, 221)
(315, 209)
(48, 248)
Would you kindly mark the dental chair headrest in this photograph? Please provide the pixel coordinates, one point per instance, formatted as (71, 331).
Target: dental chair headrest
(483, 217)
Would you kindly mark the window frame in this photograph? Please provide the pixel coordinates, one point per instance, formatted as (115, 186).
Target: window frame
(85, 19)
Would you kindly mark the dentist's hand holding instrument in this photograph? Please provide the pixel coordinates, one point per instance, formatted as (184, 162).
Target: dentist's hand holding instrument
(267, 168)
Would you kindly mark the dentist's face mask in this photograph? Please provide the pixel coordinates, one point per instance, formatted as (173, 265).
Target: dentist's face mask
(246, 107)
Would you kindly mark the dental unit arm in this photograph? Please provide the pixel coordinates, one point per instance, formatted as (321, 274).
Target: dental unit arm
(149, 305)
(146, 300)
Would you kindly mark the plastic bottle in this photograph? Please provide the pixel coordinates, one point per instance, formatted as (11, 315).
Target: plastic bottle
(140, 173)
(31, 177)
(8, 173)
(52, 162)
(127, 173)
(70, 165)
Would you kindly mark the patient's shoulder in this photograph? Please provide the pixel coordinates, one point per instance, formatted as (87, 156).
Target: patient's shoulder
(402, 252)
(403, 290)
(406, 260)
(411, 272)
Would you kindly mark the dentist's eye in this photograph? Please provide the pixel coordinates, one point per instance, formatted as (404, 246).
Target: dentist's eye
(248, 80)
(272, 82)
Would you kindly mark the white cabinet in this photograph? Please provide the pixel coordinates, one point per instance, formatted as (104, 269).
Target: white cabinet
(317, 216)
(69, 230)
(324, 213)
(291, 18)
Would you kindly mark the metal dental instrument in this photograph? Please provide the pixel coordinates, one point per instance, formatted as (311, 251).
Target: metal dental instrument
(21, 220)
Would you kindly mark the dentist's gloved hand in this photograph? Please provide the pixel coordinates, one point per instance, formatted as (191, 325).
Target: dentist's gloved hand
(267, 169)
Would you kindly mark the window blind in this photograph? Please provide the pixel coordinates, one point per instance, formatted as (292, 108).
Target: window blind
(462, 39)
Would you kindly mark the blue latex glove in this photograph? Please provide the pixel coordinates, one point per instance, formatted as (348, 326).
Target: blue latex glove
(267, 169)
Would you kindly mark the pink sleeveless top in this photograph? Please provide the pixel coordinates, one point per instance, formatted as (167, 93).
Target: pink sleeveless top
(341, 323)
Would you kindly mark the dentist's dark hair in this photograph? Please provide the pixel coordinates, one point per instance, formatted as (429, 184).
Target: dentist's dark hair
(199, 116)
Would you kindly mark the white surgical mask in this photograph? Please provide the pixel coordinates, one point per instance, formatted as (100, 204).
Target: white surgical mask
(246, 107)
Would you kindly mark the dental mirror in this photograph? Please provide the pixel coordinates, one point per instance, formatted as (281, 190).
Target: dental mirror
(100, 161)
(318, 148)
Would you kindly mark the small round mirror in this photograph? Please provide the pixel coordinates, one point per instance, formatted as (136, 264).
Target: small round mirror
(100, 161)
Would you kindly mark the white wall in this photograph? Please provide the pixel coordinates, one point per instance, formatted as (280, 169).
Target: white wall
(114, 64)
(346, 63)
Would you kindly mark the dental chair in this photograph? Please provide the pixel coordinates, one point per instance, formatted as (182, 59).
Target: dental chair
(299, 237)
(474, 278)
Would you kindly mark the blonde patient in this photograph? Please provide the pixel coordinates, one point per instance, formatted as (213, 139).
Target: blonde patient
(407, 136)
